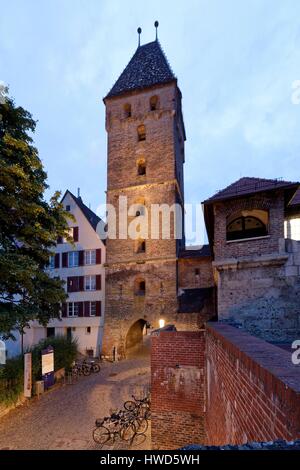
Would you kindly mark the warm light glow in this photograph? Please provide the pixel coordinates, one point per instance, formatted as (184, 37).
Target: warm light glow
(161, 323)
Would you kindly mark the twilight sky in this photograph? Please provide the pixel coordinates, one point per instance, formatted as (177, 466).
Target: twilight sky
(236, 62)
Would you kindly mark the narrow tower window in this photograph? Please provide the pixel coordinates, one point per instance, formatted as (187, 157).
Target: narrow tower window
(141, 130)
(141, 168)
(141, 246)
(153, 103)
(127, 110)
(140, 287)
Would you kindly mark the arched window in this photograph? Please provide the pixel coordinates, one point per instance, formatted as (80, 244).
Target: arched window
(247, 224)
(153, 103)
(140, 287)
(141, 168)
(127, 110)
(141, 130)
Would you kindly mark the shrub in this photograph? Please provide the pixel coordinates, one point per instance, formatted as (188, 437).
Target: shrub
(11, 375)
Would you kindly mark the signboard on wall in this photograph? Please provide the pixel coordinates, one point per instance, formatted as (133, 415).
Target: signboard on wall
(27, 375)
(47, 362)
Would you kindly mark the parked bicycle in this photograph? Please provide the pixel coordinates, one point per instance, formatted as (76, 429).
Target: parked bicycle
(128, 423)
(110, 427)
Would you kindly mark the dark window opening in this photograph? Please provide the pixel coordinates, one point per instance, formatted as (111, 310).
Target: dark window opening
(141, 169)
(246, 227)
(153, 103)
(68, 208)
(140, 288)
(141, 130)
(197, 271)
(127, 110)
(50, 332)
(141, 246)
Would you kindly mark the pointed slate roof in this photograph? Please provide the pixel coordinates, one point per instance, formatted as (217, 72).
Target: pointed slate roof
(91, 217)
(246, 186)
(148, 66)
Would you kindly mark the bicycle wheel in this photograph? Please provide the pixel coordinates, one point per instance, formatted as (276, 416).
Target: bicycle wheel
(129, 405)
(141, 425)
(128, 431)
(101, 435)
(95, 368)
(86, 370)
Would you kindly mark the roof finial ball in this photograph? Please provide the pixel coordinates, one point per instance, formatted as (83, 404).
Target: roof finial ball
(139, 30)
(156, 24)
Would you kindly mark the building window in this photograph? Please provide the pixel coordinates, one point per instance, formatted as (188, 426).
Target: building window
(52, 262)
(93, 309)
(88, 330)
(89, 282)
(141, 246)
(153, 103)
(140, 287)
(90, 257)
(73, 309)
(141, 130)
(73, 259)
(50, 332)
(127, 110)
(68, 208)
(141, 168)
(247, 224)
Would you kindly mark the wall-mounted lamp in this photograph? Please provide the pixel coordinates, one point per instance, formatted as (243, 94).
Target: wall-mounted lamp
(161, 323)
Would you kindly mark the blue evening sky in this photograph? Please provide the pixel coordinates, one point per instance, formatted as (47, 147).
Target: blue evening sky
(236, 62)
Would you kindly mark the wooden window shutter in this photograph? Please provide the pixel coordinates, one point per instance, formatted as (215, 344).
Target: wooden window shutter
(64, 309)
(86, 309)
(81, 283)
(98, 308)
(75, 234)
(80, 309)
(81, 257)
(98, 282)
(98, 256)
(57, 260)
(65, 260)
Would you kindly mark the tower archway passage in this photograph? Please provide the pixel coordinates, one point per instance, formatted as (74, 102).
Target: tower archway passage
(135, 335)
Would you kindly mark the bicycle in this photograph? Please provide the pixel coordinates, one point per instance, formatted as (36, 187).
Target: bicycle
(106, 429)
(140, 406)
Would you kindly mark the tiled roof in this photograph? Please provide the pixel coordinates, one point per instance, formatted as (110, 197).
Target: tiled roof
(92, 218)
(195, 252)
(245, 186)
(148, 66)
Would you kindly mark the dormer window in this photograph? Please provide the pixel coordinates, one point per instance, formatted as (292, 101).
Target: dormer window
(127, 110)
(141, 131)
(153, 103)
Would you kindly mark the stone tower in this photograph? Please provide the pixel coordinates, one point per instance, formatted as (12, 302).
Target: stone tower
(145, 158)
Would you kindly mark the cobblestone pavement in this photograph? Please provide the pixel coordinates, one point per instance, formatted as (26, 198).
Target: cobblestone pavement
(64, 418)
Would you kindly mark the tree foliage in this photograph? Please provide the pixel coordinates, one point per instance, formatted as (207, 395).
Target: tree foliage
(29, 227)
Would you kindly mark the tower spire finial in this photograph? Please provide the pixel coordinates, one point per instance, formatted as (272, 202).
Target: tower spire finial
(139, 30)
(156, 24)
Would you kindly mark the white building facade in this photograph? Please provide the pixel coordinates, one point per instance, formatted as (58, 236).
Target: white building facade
(81, 266)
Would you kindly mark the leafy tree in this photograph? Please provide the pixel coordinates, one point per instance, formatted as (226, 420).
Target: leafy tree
(29, 227)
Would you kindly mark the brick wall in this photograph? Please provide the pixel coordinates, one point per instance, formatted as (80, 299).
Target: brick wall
(177, 388)
(253, 389)
(221, 386)
(273, 203)
(187, 272)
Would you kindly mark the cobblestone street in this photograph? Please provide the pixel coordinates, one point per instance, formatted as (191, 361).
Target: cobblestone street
(64, 418)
